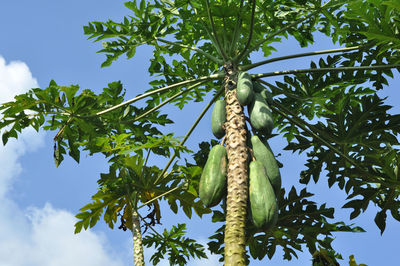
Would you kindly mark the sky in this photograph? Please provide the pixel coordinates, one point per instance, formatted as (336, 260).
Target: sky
(43, 40)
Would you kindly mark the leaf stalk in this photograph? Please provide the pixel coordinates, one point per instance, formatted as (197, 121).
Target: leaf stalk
(190, 132)
(164, 103)
(240, 56)
(212, 58)
(159, 196)
(137, 98)
(223, 54)
(320, 70)
(273, 35)
(264, 62)
(311, 130)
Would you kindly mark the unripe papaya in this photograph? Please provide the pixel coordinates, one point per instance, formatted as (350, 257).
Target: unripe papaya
(218, 118)
(244, 90)
(212, 185)
(263, 205)
(258, 88)
(261, 115)
(267, 96)
(264, 154)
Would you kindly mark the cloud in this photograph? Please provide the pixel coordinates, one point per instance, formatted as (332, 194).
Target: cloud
(15, 78)
(38, 236)
(28, 141)
(44, 237)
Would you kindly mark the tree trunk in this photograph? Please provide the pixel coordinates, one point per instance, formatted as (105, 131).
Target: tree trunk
(138, 258)
(235, 139)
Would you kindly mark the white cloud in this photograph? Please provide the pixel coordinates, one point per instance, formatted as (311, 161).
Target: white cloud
(45, 237)
(86, 248)
(15, 78)
(28, 141)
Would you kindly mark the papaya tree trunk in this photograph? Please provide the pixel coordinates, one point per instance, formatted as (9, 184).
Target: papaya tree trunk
(138, 258)
(235, 139)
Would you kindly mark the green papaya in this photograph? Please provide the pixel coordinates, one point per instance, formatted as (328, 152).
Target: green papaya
(267, 96)
(258, 88)
(263, 205)
(212, 185)
(264, 154)
(244, 90)
(218, 118)
(261, 115)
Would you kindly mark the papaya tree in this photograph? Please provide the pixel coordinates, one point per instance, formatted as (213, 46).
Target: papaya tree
(203, 50)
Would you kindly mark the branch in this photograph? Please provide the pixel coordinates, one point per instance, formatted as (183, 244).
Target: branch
(159, 196)
(240, 56)
(214, 59)
(214, 31)
(247, 67)
(236, 32)
(190, 132)
(319, 70)
(151, 227)
(164, 103)
(61, 132)
(145, 162)
(212, 39)
(214, 76)
(300, 20)
(312, 131)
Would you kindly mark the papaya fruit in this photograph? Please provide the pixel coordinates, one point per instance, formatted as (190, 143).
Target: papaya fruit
(261, 115)
(263, 205)
(212, 186)
(218, 119)
(267, 96)
(264, 155)
(258, 88)
(244, 89)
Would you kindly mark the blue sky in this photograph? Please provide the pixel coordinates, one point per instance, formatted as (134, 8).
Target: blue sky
(43, 40)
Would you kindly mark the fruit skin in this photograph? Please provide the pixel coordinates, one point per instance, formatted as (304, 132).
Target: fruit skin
(267, 96)
(261, 115)
(244, 90)
(257, 87)
(264, 155)
(212, 185)
(218, 119)
(264, 209)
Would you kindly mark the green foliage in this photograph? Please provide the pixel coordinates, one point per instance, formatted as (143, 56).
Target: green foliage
(325, 257)
(173, 243)
(381, 23)
(129, 182)
(91, 213)
(62, 109)
(361, 129)
(352, 262)
(332, 115)
(301, 222)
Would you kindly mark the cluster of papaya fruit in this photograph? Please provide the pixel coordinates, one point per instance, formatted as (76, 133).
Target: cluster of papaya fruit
(264, 174)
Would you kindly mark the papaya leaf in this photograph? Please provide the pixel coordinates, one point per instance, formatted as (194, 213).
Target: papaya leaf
(174, 243)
